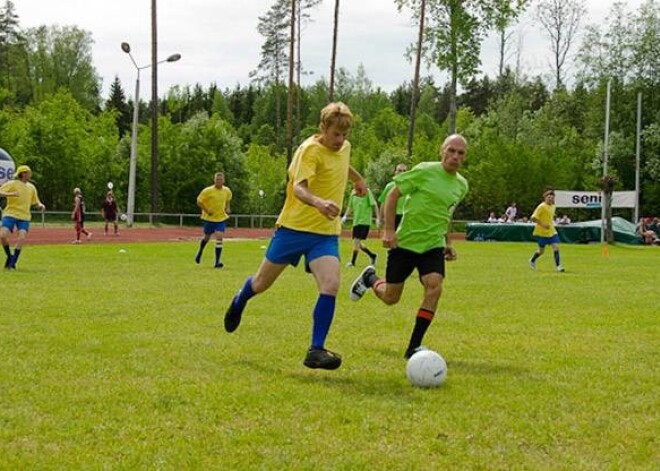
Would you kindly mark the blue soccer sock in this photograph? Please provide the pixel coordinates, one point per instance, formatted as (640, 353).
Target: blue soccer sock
(557, 258)
(7, 250)
(14, 259)
(324, 311)
(246, 292)
(218, 252)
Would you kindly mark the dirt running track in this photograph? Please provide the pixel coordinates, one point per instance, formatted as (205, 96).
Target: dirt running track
(40, 235)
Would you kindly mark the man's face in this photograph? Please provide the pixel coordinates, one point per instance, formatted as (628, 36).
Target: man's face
(219, 180)
(453, 155)
(550, 198)
(333, 137)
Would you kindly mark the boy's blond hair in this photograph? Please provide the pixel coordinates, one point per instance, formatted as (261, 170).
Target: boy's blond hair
(336, 113)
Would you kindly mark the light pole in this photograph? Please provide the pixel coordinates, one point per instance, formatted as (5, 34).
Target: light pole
(130, 204)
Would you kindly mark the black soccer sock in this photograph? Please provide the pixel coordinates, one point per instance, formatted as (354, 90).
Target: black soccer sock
(368, 252)
(422, 323)
(218, 252)
(535, 257)
(354, 258)
(7, 250)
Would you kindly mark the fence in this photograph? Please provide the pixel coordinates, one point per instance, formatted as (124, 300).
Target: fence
(251, 221)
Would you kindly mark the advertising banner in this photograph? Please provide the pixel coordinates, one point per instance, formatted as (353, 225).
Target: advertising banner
(592, 199)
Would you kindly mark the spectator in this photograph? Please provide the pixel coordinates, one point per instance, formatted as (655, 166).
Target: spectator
(511, 212)
(492, 218)
(645, 232)
(564, 220)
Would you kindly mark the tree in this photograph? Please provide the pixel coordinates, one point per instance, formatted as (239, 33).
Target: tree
(13, 55)
(61, 57)
(501, 14)
(333, 56)
(274, 58)
(117, 102)
(560, 20)
(453, 40)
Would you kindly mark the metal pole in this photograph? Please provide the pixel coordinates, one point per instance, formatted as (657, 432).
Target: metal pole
(637, 154)
(605, 157)
(154, 110)
(130, 204)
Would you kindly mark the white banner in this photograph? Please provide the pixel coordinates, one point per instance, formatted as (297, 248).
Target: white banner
(592, 199)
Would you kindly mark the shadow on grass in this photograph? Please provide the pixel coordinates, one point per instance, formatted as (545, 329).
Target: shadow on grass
(343, 380)
(482, 368)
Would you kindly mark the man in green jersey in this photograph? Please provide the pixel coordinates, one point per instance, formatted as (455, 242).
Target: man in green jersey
(386, 191)
(362, 208)
(432, 191)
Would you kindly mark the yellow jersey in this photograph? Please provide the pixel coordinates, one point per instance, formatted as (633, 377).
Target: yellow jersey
(544, 213)
(326, 172)
(215, 200)
(19, 206)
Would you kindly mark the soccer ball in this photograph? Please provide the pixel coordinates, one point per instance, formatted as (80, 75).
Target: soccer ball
(123, 217)
(426, 369)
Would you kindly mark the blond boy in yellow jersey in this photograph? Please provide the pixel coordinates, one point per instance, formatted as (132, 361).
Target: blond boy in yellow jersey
(21, 196)
(214, 201)
(309, 225)
(544, 230)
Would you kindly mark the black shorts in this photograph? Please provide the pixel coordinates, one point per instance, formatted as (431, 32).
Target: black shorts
(360, 232)
(402, 262)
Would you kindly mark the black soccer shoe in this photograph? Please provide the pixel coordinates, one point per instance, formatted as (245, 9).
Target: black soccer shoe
(233, 317)
(322, 358)
(411, 351)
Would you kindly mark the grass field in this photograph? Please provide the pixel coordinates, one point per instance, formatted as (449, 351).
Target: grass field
(114, 360)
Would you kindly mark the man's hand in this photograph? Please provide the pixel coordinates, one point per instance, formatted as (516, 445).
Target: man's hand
(390, 240)
(344, 219)
(450, 254)
(328, 208)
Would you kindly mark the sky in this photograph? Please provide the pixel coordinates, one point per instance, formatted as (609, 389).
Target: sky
(219, 43)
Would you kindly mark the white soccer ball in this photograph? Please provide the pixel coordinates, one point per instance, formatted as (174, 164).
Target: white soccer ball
(426, 369)
(123, 217)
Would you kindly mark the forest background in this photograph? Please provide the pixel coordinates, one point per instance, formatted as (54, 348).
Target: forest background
(525, 133)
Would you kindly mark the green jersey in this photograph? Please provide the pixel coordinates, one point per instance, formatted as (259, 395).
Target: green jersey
(383, 196)
(432, 196)
(361, 206)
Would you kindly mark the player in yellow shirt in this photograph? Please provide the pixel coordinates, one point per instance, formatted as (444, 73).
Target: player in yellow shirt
(544, 231)
(309, 225)
(214, 203)
(21, 196)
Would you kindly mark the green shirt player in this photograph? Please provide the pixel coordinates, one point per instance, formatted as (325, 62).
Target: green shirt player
(362, 208)
(432, 191)
(386, 191)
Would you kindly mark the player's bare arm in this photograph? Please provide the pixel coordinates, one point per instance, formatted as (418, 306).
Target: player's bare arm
(359, 184)
(450, 251)
(389, 212)
(328, 208)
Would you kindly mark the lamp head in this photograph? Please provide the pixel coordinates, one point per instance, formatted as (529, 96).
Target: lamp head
(174, 58)
(126, 47)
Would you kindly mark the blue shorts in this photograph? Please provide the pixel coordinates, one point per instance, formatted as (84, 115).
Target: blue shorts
(213, 226)
(543, 241)
(10, 222)
(288, 246)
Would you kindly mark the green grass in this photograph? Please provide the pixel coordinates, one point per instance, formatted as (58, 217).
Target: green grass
(115, 360)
